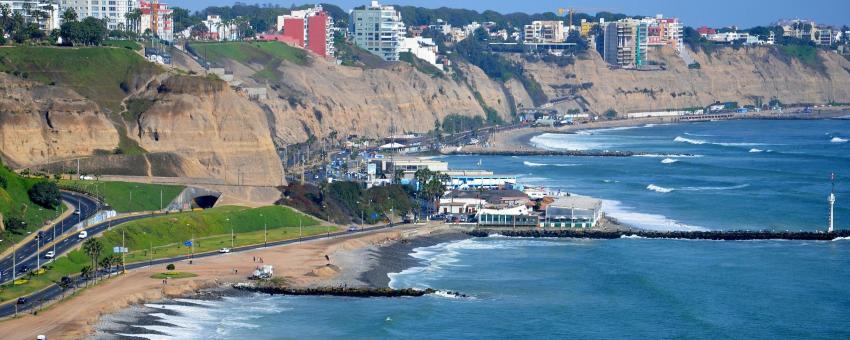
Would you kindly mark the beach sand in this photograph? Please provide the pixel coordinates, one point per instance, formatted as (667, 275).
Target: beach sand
(302, 264)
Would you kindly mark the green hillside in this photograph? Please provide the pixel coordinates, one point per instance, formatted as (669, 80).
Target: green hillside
(102, 74)
(16, 204)
(128, 197)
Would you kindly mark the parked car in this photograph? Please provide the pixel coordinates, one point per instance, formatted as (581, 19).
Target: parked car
(49, 255)
(224, 250)
(83, 234)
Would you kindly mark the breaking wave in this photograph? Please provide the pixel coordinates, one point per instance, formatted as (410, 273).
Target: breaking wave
(668, 161)
(664, 190)
(681, 139)
(533, 164)
(838, 140)
(754, 150)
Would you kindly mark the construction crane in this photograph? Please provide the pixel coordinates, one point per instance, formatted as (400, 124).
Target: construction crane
(155, 17)
(571, 11)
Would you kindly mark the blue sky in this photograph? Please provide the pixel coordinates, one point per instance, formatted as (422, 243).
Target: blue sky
(717, 13)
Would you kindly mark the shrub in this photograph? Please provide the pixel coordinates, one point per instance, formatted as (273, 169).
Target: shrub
(45, 194)
(14, 224)
(4, 183)
(610, 114)
(170, 266)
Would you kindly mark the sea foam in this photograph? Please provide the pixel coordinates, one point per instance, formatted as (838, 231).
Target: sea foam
(668, 161)
(838, 140)
(660, 189)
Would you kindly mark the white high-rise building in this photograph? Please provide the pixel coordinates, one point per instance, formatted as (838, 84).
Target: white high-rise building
(114, 11)
(43, 12)
(379, 30)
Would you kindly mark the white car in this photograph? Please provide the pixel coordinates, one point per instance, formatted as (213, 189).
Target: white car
(83, 234)
(224, 250)
(76, 212)
(49, 255)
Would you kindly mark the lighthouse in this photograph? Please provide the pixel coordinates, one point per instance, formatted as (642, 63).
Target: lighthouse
(831, 201)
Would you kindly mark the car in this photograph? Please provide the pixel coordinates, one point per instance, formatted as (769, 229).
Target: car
(76, 212)
(49, 255)
(22, 301)
(224, 250)
(83, 234)
(24, 269)
(353, 228)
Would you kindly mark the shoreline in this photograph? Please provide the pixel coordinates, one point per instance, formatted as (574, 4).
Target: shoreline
(303, 265)
(520, 139)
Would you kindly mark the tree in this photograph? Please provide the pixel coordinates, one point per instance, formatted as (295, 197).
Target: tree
(15, 225)
(170, 266)
(92, 247)
(45, 194)
(199, 31)
(106, 263)
(70, 15)
(85, 273)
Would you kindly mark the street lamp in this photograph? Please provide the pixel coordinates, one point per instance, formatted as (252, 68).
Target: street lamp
(265, 231)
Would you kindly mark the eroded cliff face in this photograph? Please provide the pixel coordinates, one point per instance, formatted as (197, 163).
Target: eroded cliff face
(324, 97)
(40, 122)
(745, 75)
(213, 131)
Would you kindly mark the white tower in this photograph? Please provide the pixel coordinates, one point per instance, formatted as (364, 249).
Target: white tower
(831, 201)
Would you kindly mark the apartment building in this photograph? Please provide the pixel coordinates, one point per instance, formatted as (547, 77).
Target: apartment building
(626, 43)
(311, 28)
(378, 29)
(664, 32)
(114, 11)
(545, 32)
(156, 17)
(42, 12)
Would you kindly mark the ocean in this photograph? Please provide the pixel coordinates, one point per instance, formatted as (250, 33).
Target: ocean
(716, 175)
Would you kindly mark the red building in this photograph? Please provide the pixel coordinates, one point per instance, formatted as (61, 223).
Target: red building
(310, 28)
(703, 31)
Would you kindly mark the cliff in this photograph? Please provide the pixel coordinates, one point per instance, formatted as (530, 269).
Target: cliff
(745, 75)
(321, 97)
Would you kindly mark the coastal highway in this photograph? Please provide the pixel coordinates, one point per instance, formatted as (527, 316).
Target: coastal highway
(25, 253)
(54, 291)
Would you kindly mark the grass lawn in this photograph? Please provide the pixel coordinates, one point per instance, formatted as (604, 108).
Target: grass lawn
(251, 52)
(211, 228)
(15, 201)
(103, 75)
(127, 196)
(128, 44)
(173, 275)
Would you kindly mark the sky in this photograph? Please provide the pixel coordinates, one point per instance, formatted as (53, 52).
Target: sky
(713, 13)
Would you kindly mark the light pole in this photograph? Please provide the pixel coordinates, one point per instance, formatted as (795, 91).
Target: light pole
(231, 233)
(265, 231)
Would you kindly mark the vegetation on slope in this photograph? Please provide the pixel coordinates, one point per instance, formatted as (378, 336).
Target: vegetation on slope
(20, 214)
(104, 75)
(421, 65)
(125, 196)
(345, 202)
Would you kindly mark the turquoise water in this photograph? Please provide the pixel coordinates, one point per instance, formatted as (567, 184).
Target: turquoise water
(741, 175)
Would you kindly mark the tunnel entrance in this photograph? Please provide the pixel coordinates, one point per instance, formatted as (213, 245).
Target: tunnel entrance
(205, 202)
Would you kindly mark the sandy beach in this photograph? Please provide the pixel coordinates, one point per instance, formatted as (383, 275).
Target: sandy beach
(520, 139)
(354, 261)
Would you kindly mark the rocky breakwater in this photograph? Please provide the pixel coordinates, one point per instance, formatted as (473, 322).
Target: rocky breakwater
(363, 292)
(717, 235)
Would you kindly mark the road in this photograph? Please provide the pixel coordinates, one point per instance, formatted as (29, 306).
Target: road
(25, 253)
(54, 291)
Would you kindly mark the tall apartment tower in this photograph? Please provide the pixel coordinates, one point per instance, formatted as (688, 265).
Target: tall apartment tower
(112, 10)
(379, 30)
(626, 43)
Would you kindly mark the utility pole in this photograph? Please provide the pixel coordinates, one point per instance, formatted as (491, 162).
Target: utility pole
(14, 264)
(54, 243)
(160, 199)
(37, 255)
(123, 251)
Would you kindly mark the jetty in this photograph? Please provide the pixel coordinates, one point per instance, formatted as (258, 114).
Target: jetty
(717, 235)
(541, 152)
(363, 292)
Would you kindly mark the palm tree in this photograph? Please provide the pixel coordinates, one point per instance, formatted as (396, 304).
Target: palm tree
(85, 273)
(106, 263)
(92, 247)
(69, 15)
(5, 16)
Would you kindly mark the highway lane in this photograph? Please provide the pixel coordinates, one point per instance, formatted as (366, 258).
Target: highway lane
(54, 291)
(86, 206)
